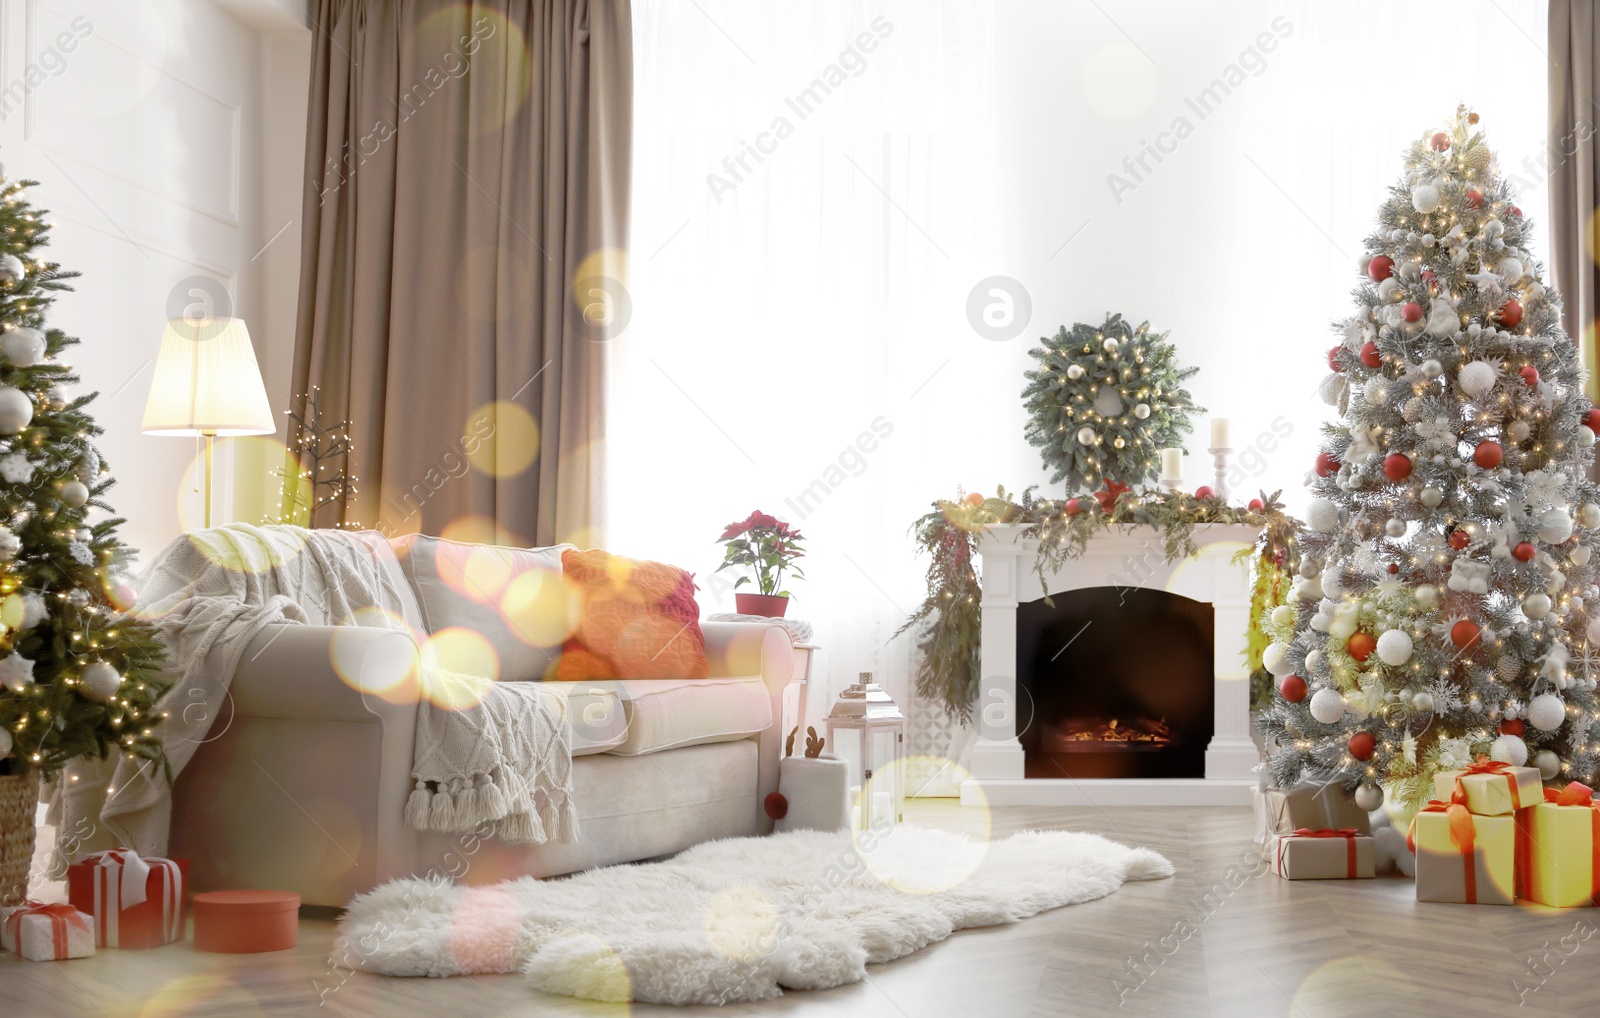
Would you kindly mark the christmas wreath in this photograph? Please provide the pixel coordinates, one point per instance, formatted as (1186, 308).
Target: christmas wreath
(1104, 401)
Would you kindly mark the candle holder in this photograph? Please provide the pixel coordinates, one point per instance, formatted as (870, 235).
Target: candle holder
(1220, 460)
(1172, 483)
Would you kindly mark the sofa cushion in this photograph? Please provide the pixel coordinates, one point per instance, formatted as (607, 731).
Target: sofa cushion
(639, 620)
(667, 714)
(599, 719)
(516, 598)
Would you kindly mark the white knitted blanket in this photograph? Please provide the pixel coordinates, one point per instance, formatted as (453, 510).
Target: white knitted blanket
(502, 754)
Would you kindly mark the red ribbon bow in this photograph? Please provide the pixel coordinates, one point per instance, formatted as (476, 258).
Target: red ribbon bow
(1348, 833)
(60, 914)
(1575, 794)
(1463, 835)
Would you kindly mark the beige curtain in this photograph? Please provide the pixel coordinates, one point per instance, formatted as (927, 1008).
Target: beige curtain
(465, 220)
(1575, 172)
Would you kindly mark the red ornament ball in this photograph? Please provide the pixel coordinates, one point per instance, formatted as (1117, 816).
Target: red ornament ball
(1474, 198)
(1256, 505)
(1361, 645)
(1459, 539)
(1074, 507)
(1369, 354)
(1327, 465)
(1524, 552)
(1465, 634)
(1394, 568)
(1204, 491)
(1487, 455)
(1439, 142)
(1363, 745)
(975, 499)
(1333, 359)
(1427, 275)
(1510, 314)
(1530, 375)
(1380, 268)
(1591, 420)
(1397, 466)
(776, 805)
(1292, 688)
(1516, 212)
(1512, 726)
(1412, 312)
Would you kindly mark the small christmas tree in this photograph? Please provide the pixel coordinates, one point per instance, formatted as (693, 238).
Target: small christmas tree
(1446, 605)
(77, 678)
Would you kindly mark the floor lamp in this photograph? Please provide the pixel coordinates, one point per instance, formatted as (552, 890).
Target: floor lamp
(207, 384)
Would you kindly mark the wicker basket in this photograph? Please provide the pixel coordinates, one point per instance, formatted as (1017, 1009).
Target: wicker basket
(19, 806)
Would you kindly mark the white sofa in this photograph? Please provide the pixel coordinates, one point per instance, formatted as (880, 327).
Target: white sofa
(303, 781)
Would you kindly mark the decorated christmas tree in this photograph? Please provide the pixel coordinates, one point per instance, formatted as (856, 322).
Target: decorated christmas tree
(77, 678)
(1446, 603)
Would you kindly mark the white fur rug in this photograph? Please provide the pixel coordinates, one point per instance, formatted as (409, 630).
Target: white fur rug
(735, 919)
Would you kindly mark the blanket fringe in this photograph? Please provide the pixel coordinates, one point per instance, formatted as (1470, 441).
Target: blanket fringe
(417, 807)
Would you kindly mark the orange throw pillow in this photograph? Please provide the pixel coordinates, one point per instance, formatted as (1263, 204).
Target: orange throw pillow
(639, 621)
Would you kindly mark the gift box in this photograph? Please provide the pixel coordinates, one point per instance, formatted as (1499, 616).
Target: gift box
(1462, 856)
(1490, 788)
(41, 932)
(1323, 854)
(1306, 806)
(136, 902)
(1558, 848)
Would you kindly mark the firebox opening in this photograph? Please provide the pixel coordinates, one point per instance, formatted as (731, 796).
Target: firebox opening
(1119, 681)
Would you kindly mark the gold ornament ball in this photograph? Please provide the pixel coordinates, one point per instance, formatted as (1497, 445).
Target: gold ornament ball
(1118, 442)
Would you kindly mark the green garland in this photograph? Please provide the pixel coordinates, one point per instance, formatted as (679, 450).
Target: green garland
(949, 617)
(1104, 401)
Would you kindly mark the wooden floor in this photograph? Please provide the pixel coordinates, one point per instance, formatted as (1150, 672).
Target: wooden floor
(1219, 938)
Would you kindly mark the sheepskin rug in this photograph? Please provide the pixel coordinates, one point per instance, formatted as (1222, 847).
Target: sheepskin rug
(738, 919)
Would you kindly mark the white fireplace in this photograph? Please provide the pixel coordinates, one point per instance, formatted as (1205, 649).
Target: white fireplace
(1118, 557)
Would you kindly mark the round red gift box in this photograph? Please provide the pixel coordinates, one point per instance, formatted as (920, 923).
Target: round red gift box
(246, 922)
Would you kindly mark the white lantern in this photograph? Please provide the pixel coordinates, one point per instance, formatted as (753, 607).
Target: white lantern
(868, 732)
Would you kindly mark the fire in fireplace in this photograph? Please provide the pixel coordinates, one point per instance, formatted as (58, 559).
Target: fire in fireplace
(1120, 684)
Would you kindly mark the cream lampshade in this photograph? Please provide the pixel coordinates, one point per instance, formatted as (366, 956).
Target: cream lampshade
(207, 384)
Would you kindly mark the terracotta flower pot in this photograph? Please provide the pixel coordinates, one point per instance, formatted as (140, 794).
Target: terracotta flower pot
(771, 606)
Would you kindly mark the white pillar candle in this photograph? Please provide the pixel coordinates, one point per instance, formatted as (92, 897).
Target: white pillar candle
(882, 807)
(1171, 462)
(1219, 433)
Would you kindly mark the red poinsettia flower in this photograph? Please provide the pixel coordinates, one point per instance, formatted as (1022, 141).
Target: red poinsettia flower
(733, 530)
(763, 520)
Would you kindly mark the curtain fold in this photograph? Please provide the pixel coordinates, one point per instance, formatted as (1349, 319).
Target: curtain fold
(1575, 173)
(465, 219)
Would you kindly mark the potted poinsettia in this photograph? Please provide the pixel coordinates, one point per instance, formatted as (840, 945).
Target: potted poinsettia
(768, 546)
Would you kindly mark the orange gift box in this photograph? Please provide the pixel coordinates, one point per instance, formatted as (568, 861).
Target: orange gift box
(246, 922)
(136, 903)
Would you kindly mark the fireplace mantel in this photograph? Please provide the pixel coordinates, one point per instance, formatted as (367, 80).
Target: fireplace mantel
(1130, 556)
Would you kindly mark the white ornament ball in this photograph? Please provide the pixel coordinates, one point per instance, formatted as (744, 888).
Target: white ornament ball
(1327, 706)
(1432, 368)
(1276, 659)
(1509, 749)
(1142, 411)
(12, 270)
(1548, 763)
(23, 347)
(1585, 439)
(1368, 797)
(1511, 269)
(1424, 198)
(1282, 615)
(74, 493)
(1313, 661)
(1389, 290)
(1423, 701)
(1395, 528)
(1518, 431)
(1394, 647)
(1536, 605)
(1333, 385)
(1589, 515)
(1431, 497)
(1555, 526)
(123, 597)
(1110, 345)
(1086, 436)
(1074, 371)
(5, 743)
(1322, 515)
(99, 681)
(1546, 712)
(16, 410)
(1476, 379)
(1427, 596)
(1594, 632)
(1377, 391)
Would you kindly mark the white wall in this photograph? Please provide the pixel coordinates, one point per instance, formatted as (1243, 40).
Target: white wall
(165, 144)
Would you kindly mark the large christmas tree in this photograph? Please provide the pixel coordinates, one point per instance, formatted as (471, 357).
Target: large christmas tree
(77, 678)
(1446, 603)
